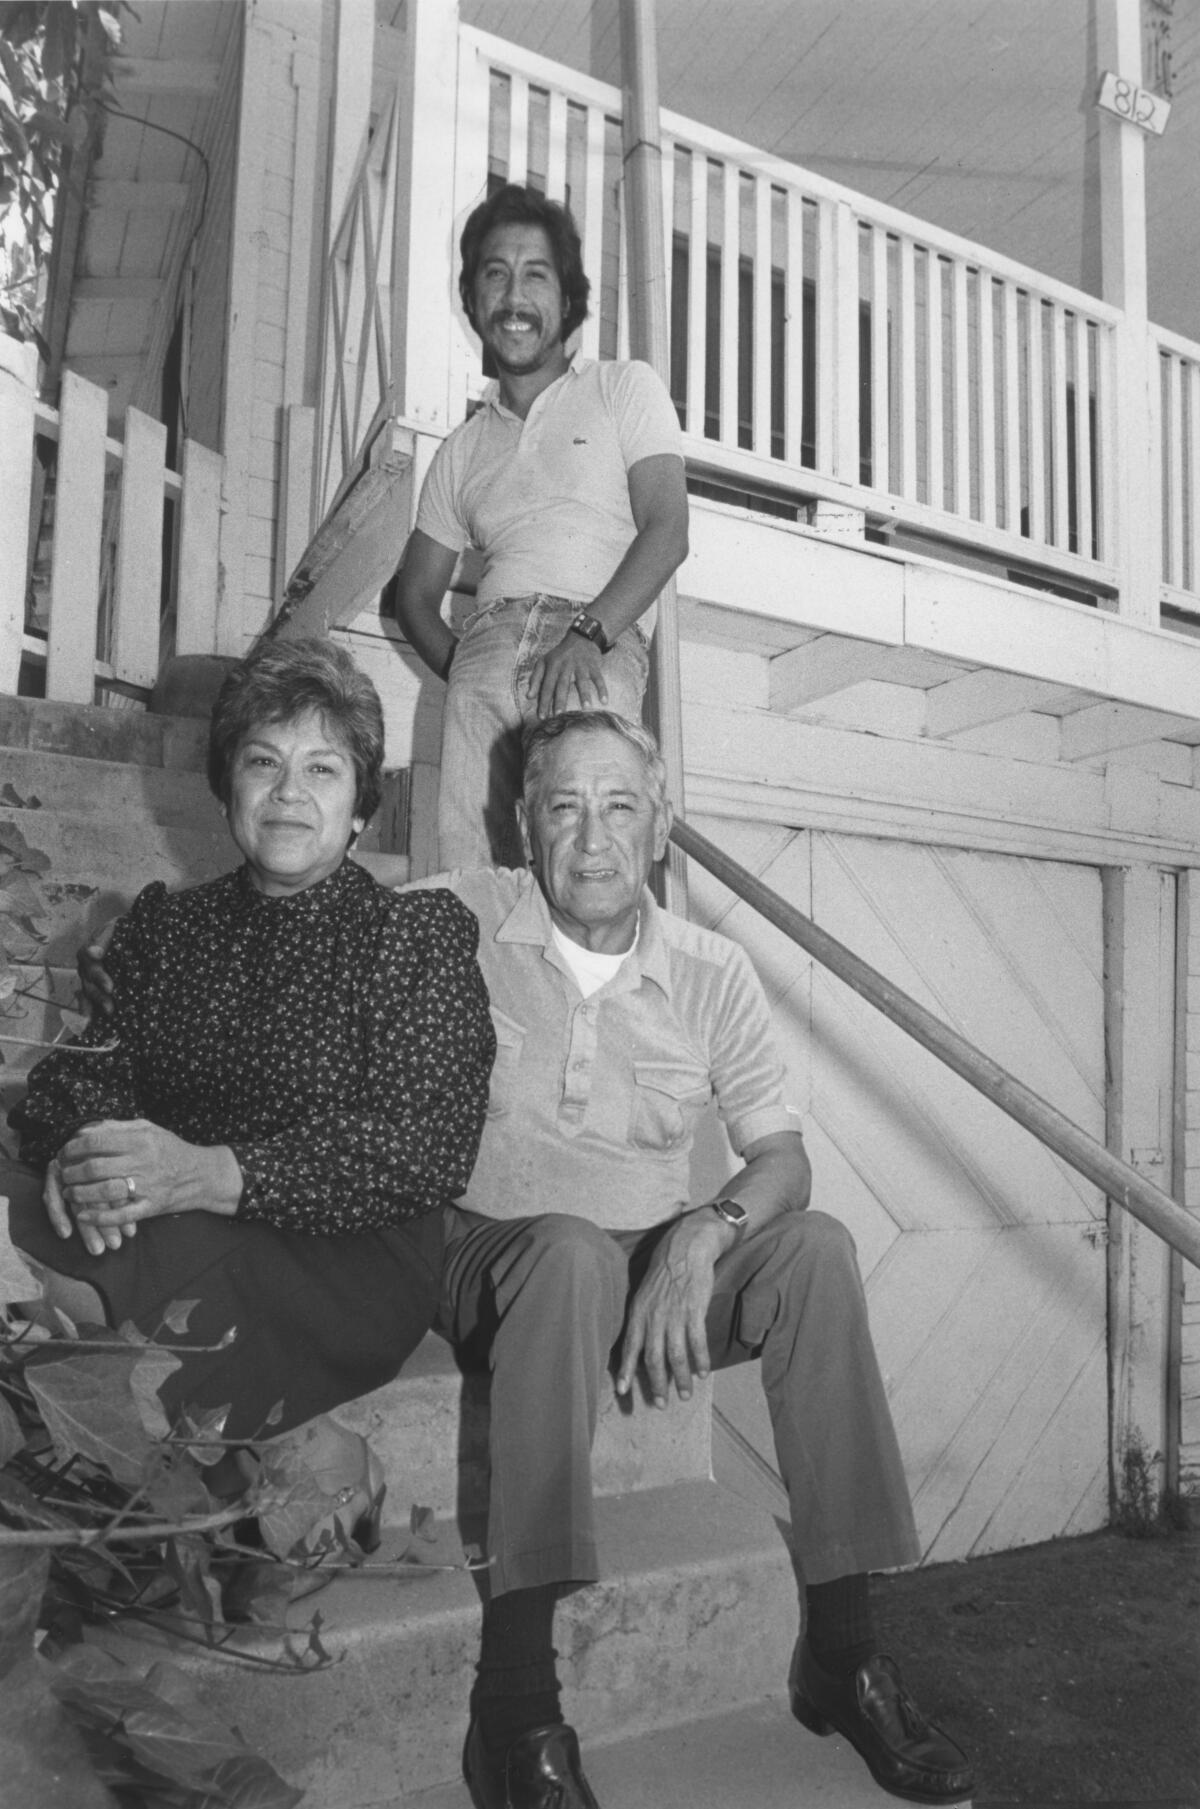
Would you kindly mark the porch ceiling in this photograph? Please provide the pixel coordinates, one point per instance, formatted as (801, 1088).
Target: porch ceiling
(975, 115)
(145, 188)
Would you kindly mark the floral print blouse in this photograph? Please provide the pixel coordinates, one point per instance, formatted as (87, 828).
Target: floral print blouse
(338, 1040)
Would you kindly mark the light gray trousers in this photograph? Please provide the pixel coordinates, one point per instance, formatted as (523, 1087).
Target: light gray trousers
(542, 1302)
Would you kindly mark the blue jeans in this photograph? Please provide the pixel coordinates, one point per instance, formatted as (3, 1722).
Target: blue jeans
(488, 703)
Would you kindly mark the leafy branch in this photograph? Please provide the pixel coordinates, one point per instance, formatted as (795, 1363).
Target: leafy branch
(51, 74)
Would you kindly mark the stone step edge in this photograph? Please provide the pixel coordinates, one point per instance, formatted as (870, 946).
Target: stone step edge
(695, 1613)
(90, 732)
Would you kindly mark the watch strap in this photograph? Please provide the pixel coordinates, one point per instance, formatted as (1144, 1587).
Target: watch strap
(732, 1212)
(591, 630)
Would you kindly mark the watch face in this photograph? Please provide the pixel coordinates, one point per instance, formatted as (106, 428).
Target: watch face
(731, 1212)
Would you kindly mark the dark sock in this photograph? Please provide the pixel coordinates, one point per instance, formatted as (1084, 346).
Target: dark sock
(516, 1686)
(838, 1624)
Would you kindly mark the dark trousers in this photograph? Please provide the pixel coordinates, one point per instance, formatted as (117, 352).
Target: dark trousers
(542, 1301)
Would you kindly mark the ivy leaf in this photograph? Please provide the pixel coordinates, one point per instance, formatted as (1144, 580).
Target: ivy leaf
(294, 1504)
(177, 1315)
(201, 1433)
(89, 1410)
(153, 1367)
(175, 1488)
(422, 1524)
(12, 1439)
(22, 1581)
(19, 895)
(13, 843)
(158, 1730)
(189, 1561)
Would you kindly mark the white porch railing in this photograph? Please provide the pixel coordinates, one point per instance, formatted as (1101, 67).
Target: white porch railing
(1178, 442)
(823, 346)
(108, 560)
(818, 338)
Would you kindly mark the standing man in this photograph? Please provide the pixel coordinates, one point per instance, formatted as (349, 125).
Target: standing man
(569, 480)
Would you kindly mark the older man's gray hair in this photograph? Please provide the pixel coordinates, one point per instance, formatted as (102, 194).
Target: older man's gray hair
(540, 737)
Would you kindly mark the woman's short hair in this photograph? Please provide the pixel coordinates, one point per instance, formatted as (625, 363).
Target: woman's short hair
(280, 680)
(539, 738)
(514, 206)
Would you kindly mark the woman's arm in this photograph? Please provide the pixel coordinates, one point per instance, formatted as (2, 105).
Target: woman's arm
(93, 1077)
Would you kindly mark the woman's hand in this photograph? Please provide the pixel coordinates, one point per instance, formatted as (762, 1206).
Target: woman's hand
(94, 978)
(109, 1176)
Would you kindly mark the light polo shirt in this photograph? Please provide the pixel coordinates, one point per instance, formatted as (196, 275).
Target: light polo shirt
(546, 500)
(594, 1102)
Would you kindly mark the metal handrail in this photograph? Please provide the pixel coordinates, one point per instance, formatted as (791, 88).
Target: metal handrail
(1115, 1178)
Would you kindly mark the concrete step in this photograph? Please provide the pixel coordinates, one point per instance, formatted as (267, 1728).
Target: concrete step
(753, 1757)
(98, 863)
(696, 1615)
(122, 791)
(429, 1430)
(88, 732)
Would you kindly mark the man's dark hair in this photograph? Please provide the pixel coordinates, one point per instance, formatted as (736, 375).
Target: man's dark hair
(514, 206)
(280, 680)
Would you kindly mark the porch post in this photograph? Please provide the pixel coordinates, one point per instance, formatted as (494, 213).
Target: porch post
(1139, 1007)
(1137, 481)
(18, 391)
(424, 249)
(649, 339)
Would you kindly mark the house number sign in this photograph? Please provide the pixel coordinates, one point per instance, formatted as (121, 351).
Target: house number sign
(1137, 105)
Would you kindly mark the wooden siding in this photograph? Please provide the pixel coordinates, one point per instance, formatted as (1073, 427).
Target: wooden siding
(984, 1257)
(209, 328)
(1187, 1304)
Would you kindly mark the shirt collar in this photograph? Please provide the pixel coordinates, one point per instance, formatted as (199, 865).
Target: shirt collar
(529, 922)
(490, 399)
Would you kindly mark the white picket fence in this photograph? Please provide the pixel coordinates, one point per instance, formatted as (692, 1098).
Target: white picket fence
(108, 560)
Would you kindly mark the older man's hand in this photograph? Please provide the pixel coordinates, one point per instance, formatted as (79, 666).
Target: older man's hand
(666, 1326)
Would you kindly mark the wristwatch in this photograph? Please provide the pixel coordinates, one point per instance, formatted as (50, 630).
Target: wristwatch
(591, 630)
(730, 1212)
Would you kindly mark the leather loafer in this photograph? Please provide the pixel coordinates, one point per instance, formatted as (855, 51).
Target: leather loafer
(904, 1751)
(541, 1770)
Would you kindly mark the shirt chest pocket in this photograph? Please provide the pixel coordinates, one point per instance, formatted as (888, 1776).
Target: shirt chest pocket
(510, 1040)
(666, 1099)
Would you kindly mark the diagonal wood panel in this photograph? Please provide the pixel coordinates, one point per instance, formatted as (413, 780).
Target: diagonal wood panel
(983, 1254)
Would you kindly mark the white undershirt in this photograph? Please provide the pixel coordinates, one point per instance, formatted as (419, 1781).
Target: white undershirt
(591, 971)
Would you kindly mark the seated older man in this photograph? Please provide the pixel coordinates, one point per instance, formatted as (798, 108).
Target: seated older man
(616, 1023)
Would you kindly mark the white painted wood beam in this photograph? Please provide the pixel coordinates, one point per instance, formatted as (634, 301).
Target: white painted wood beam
(118, 288)
(977, 698)
(1139, 970)
(137, 197)
(168, 75)
(822, 667)
(1097, 730)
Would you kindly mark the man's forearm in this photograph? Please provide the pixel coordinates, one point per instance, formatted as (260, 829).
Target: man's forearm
(426, 633)
(776, 1178)
(650, 560)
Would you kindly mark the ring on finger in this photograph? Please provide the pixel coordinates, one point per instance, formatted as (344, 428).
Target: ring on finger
(131, 1187)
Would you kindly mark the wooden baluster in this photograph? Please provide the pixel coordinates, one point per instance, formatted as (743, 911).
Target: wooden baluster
(138, 575)
(78, 519)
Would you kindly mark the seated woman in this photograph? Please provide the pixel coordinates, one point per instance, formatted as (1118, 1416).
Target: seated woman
(294, 1082)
